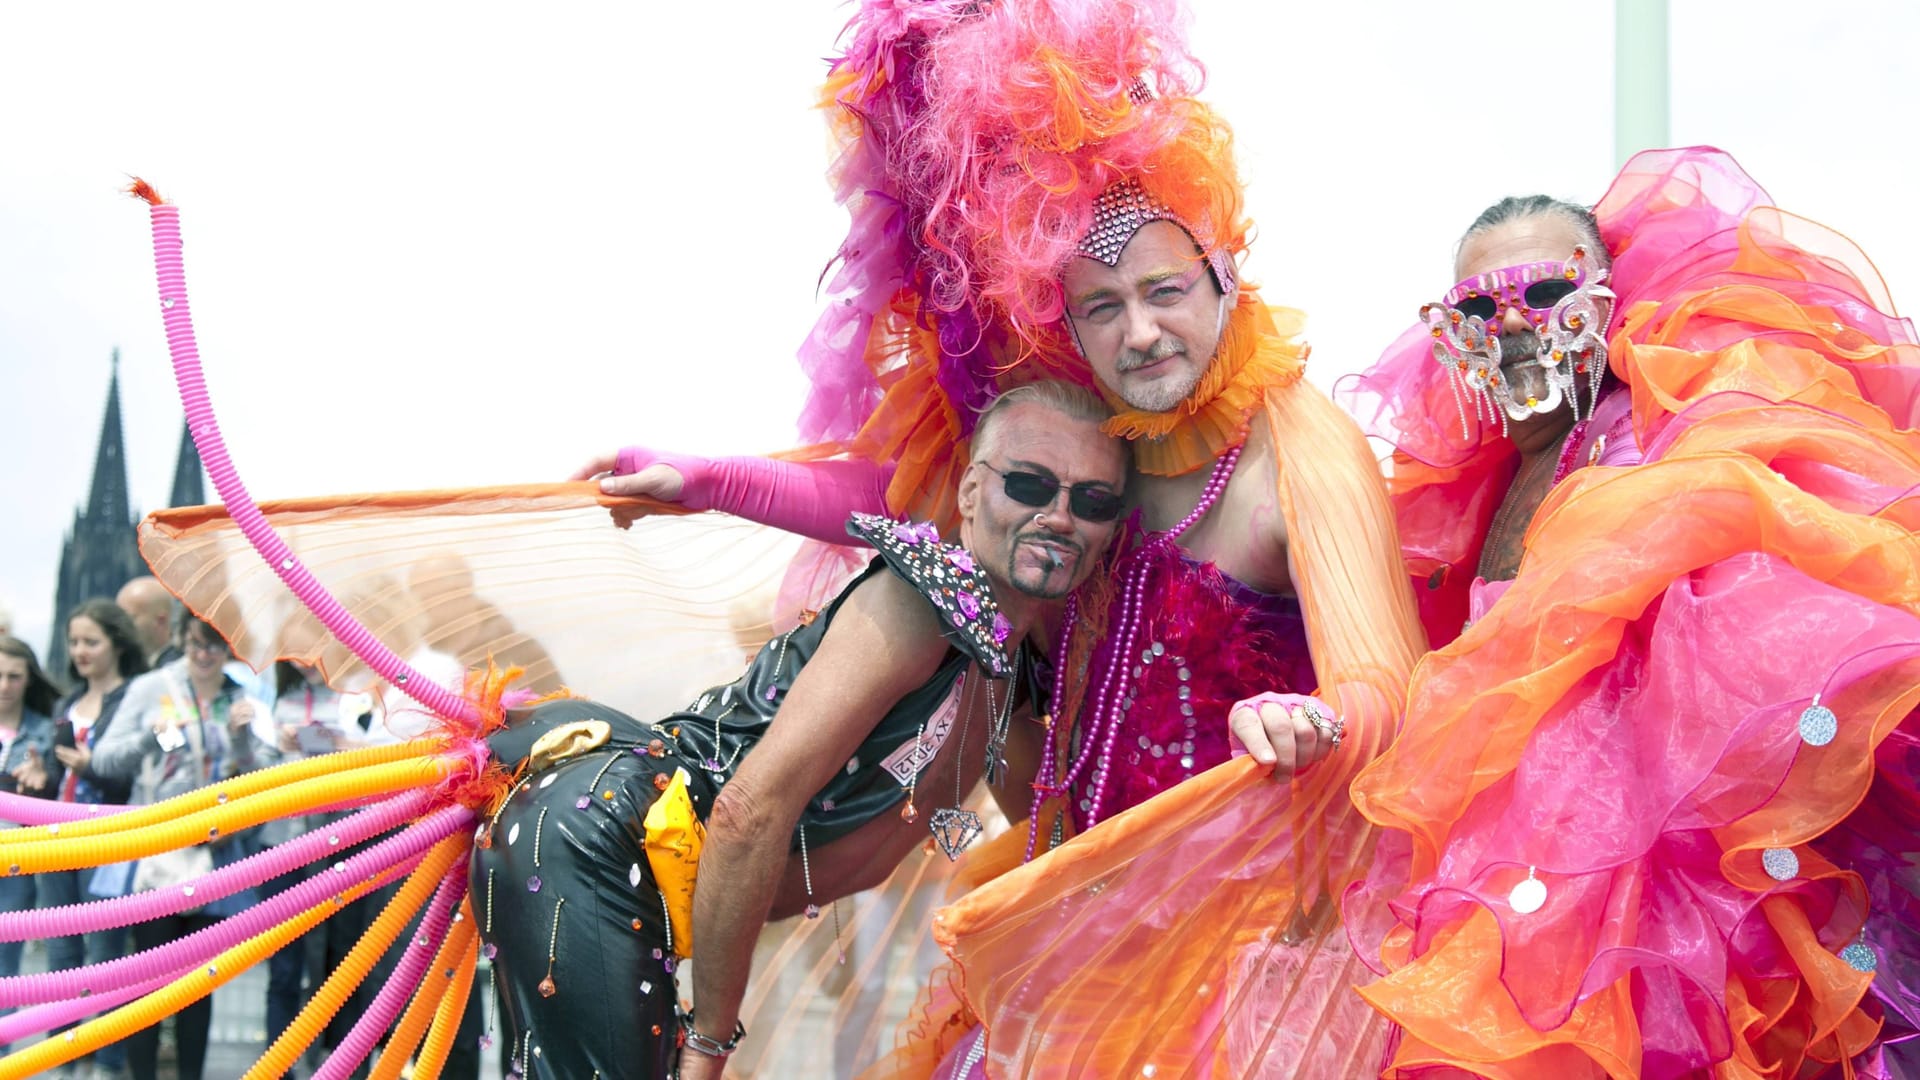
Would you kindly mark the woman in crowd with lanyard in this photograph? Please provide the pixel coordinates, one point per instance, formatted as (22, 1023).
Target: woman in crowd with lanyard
(186, 725)
(103, 653)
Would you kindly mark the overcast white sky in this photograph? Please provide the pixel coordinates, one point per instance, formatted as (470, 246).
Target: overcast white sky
(437, 244)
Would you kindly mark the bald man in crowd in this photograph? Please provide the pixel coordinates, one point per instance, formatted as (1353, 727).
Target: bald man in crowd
(150, 606)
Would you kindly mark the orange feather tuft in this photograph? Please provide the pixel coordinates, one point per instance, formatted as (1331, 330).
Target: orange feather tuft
(562, 694)
(488, 691)
(479, 783)
(142, 190)
(487, 791)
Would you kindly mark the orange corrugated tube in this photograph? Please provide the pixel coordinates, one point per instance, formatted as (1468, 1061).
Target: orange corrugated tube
(446, 1019)
(426, 1001)
(360, 959)
(177, 995)
(84, 851)
(226, 791)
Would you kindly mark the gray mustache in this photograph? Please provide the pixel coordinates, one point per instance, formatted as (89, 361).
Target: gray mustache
(1132, 361)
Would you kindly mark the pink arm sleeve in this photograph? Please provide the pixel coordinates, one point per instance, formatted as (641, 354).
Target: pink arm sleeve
(810, 498)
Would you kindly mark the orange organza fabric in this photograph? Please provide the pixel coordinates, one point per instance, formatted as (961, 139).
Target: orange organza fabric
(1775, 449)
(535, 576)
(1482, 700)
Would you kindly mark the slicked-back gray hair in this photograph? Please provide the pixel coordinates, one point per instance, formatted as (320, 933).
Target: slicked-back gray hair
(1071, 400)
(1516, 207)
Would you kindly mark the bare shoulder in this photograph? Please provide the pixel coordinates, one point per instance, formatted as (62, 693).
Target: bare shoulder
(889, 623)
(883, 643)
(1253, 495)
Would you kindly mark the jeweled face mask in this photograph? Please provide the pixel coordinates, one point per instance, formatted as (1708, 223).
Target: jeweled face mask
(1559, 301)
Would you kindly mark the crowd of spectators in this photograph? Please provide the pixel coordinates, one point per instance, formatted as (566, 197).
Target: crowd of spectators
(152, 705)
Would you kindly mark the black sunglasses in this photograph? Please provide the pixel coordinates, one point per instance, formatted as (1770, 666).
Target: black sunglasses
(1539, 296)
(1088, 501)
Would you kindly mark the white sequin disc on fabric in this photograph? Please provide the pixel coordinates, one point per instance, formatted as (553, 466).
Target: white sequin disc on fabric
(1780, 863)
(1528, 896)
(1859, 957)
(1818, 725)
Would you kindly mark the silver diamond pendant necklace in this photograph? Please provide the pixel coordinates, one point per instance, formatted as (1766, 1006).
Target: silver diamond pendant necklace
(954, 827)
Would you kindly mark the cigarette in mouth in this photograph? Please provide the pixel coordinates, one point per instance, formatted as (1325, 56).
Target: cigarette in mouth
(1054, 562)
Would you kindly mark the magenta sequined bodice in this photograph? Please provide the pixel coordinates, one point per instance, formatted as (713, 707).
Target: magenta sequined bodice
(1208, 642)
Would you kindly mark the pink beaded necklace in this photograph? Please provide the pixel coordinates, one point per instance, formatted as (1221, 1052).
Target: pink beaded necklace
(1112, 699)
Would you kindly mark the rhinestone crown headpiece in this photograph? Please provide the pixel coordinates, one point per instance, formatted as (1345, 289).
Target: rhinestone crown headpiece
(1122, 210)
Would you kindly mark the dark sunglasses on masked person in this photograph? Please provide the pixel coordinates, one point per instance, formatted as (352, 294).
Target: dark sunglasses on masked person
(1533, 287)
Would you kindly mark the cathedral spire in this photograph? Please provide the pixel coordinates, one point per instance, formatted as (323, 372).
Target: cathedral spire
(189, 488)
(100, 553)
(107, 501)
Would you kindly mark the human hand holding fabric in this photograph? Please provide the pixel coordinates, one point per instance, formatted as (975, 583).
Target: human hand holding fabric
(638, 471)
(807, 498)
(1285, 731)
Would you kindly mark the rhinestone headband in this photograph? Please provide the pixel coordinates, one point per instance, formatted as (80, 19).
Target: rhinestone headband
(1122, 210)
(1118, 213)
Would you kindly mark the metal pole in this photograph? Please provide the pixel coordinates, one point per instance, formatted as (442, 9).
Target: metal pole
(1640, 77)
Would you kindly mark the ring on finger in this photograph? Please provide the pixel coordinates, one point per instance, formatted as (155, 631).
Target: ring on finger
(1330, 726)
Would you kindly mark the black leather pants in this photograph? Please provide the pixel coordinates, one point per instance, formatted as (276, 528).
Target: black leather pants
(569, 911)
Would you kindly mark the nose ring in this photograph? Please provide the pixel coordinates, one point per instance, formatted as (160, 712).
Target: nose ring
(1038, 518)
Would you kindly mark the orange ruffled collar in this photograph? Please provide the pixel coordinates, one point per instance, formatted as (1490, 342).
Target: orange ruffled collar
(1257, 353)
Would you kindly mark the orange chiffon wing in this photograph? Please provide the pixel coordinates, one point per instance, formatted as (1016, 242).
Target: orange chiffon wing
(828, 994)
(642, 617)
